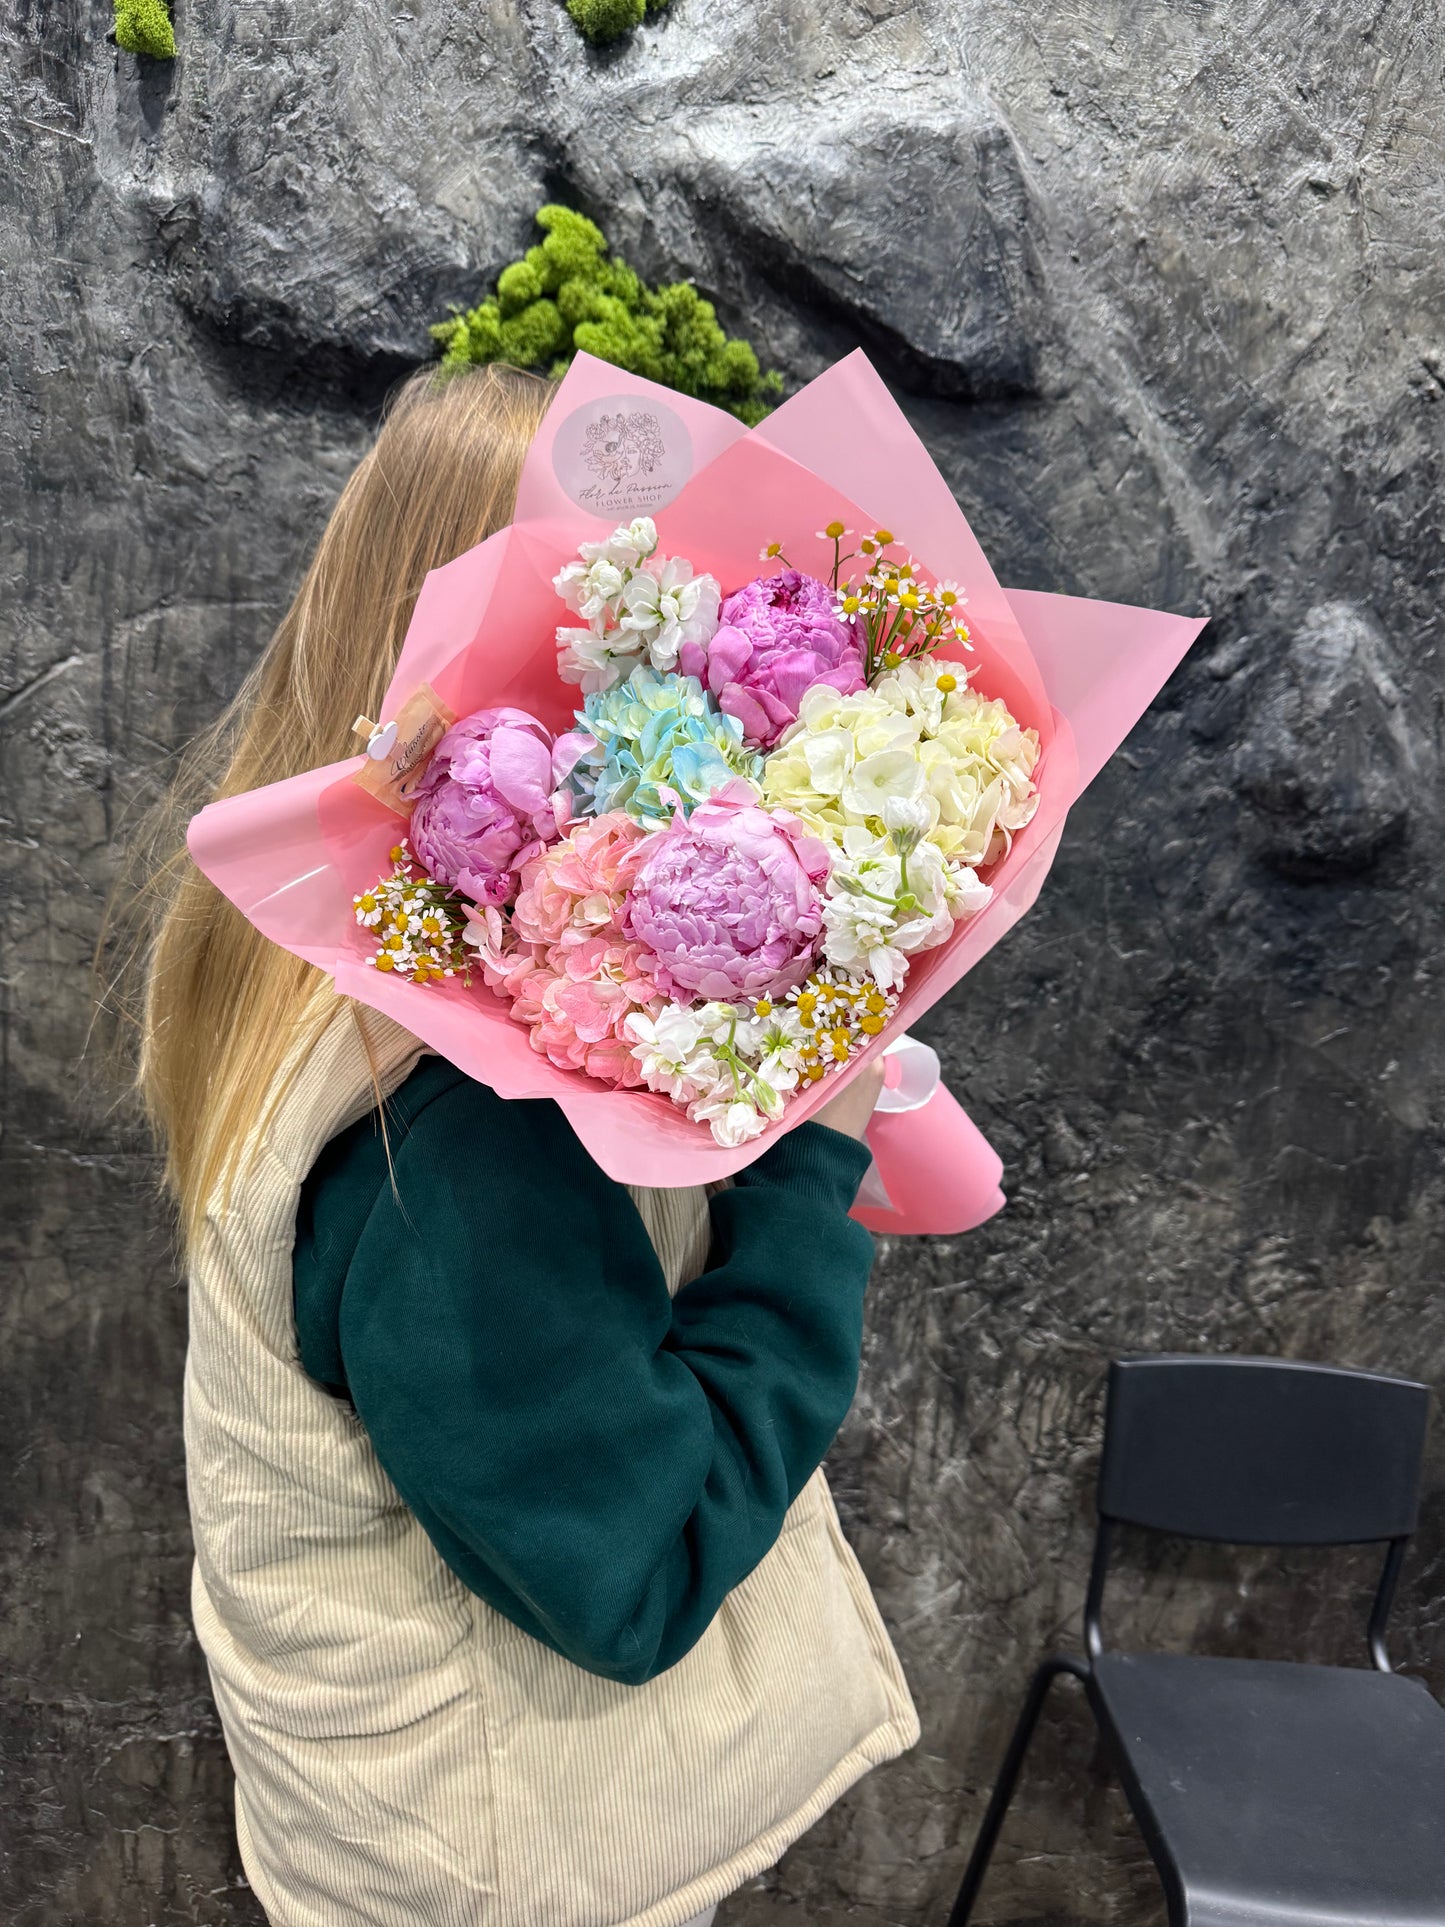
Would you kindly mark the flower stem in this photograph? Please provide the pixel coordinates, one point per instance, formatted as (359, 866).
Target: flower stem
(857, 889)
(730, 1056)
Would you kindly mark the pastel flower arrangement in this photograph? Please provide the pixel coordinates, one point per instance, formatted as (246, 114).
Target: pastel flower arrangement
(714, 885)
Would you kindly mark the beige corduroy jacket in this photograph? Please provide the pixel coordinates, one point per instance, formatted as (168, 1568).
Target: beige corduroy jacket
(405, 1755)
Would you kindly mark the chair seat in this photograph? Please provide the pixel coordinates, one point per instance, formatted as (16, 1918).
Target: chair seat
(1282, 1794)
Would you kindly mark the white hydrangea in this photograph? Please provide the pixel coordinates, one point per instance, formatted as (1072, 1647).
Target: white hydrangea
(918, 735)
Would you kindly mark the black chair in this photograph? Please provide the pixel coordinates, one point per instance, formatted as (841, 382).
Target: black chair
(1269, 1794)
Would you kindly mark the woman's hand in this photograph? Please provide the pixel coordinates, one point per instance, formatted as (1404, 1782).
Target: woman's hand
(850, 1111)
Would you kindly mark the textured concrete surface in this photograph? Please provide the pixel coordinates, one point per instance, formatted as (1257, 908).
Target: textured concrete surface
(1162, 287)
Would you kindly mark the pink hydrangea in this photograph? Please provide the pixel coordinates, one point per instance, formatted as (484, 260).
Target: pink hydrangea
(727, 903)
(576, 1002)
(485, 803)
(572, 890)
(776, 638)
(562, 962)
(505, 962)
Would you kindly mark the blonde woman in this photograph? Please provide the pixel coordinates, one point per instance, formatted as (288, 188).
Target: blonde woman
(521, 1588)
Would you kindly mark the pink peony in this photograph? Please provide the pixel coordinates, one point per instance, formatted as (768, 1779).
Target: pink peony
(776, 638)
(485, 803)
(727, 904)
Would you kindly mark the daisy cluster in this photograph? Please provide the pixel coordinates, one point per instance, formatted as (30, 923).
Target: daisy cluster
(897, 612)
(772, 800)
(420, 925)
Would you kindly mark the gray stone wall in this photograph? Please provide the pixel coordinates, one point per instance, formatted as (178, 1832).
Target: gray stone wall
(1162, 288)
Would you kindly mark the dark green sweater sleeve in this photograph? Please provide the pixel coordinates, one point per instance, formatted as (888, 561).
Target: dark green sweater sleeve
(600, 1462)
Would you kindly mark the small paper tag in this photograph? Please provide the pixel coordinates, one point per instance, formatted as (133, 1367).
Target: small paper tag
(399, 750)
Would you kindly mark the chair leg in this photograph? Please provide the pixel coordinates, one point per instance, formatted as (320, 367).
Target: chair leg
(1007, 1780)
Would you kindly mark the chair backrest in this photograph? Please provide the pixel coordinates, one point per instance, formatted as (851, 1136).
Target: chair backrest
(1262, 1451)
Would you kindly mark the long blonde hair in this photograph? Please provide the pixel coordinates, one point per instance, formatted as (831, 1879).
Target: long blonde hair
(215, 1006)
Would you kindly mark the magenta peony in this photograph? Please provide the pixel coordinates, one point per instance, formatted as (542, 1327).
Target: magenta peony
(776, 638)
(485, 803)
(727, 904)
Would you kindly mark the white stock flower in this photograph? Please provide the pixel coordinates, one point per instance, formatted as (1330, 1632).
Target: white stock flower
(906, 819)
(595, 659)
(968, 892)
(715, 1020)
(731, 1065)
(629, 544)
(885, 904)
(869, 857)
(733, 1120)
(674, 1033)
(779, 1041)
(853, 926)
(596, 588)
(568, 584)
(591, 588)
(597, 591)
(779, 1062)
(767, 1095)
(857, 940)
(666, 605)
(667, 1051)
(887, 966)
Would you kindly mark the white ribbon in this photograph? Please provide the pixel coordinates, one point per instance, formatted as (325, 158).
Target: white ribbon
(919, 1074)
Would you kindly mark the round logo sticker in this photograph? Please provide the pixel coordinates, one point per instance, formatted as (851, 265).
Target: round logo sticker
(622, 455)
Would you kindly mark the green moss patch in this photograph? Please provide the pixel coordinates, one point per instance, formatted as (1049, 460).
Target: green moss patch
(568, 293)
(603, 21)
(144, 27)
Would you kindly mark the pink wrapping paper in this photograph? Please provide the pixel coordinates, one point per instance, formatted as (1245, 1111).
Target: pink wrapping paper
(293, 855)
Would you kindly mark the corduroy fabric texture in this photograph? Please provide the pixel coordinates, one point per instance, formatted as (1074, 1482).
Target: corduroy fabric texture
(405, 1755)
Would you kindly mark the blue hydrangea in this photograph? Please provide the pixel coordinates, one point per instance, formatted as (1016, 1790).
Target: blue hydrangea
(654, 734)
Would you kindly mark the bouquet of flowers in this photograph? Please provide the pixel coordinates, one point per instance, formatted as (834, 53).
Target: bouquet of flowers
(772, 799)
(700, 783)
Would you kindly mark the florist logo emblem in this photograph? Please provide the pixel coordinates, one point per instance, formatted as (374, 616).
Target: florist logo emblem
(620, 446)
(616, 458)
